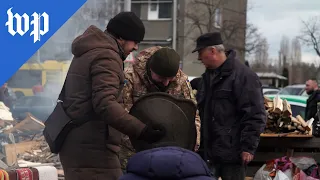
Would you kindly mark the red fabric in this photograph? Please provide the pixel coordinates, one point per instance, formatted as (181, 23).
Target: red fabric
(24, 174)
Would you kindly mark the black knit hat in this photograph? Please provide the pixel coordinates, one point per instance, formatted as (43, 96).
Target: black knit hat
(128, 26)
(165, 62)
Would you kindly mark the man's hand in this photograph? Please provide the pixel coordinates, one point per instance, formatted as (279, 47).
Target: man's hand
(196, 148)
(152, 133)
(246, 157)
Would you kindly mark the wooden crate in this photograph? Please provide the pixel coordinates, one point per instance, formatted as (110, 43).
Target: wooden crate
(286, 135)
(272, 147)
(10, 150)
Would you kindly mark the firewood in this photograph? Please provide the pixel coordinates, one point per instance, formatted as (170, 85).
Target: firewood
(301, 128)
(309, 123)
(281, 124)
(266, 100)
(269, 105)
(303, 123)
(291, 127)
(287, 112)
(294, 120)
(277, 105)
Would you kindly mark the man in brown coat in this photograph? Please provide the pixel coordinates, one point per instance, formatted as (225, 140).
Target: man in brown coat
(93, 90)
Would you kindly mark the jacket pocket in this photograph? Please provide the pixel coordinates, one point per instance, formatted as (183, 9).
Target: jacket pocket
(223, 138)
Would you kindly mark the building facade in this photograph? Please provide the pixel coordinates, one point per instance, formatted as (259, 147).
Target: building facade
(172, 23)
(189, 20)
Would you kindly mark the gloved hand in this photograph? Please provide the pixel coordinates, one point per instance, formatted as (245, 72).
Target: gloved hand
(152, 133)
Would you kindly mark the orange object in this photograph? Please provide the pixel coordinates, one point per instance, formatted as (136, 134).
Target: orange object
(37, 89)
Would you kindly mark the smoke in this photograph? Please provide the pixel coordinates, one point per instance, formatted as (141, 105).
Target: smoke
(93, 12)
(58, 47)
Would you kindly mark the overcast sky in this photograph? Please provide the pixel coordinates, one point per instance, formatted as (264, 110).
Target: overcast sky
(275, 18)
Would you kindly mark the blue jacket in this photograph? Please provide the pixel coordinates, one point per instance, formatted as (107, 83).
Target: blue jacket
(167, 163)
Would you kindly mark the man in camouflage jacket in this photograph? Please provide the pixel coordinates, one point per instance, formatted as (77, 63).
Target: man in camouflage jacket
(155, 69)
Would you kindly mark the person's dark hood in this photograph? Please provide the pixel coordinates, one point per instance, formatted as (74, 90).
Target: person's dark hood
(167, 163)
(94, 38)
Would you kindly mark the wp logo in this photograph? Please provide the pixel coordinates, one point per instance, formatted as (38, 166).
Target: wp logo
(21, 24)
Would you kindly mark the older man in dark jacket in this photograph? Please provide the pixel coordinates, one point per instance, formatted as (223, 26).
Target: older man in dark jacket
(93, 90)
(231, 108)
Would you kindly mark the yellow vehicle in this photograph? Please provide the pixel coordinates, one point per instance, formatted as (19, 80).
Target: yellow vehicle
(50, 72)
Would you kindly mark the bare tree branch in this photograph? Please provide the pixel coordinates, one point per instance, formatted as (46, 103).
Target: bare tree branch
(201, 18)
(310, 34)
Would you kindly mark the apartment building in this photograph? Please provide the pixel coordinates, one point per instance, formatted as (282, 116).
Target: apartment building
(173, 23)
(164, 24)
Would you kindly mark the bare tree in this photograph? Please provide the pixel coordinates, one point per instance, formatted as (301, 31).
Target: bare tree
(295, 51)
(285, 46)
(253, 39)
(284, 50)
(261, 53)
(205, 16)
(310, 34)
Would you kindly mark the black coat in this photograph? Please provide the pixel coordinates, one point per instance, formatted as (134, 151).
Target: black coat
(311, 109)
(232, 111)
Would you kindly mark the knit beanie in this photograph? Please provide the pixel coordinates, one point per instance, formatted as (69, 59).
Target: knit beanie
(128, 26)
(165, 62)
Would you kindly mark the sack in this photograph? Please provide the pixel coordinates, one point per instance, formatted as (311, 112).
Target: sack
(57, 127)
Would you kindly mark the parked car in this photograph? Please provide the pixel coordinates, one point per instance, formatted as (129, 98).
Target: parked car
(191, 77)
(297, 89)
(298, 103)
(269, 90)
(39, 106)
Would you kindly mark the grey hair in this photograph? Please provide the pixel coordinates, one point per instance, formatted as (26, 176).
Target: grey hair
(219, 47)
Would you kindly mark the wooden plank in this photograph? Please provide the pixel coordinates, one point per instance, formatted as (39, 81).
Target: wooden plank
(11, 150)
(294, 142)
(262, 157)
(286, 135)
(30, 123)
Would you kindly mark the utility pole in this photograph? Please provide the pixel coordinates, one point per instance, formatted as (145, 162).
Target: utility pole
(174, 24)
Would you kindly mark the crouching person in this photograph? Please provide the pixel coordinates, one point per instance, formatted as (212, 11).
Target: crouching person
(167, 163)
(156, 69)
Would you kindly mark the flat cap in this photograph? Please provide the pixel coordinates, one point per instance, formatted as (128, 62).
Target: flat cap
(208, 39)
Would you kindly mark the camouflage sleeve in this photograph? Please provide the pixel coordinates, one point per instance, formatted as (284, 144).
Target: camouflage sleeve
(127, 92)
(188, 94)
(126, 150)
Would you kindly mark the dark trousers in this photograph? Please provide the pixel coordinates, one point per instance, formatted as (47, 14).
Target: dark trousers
(229, 171)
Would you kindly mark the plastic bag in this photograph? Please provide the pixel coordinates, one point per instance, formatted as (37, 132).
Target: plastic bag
(303, 163)
(281, 176)
(307, 165)
(261, 174)
(302, 176)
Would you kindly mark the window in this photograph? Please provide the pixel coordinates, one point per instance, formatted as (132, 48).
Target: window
(159, 10)
(217, 18)
(304, 93)
(271, 92)
(298, 110)
(136, 8)
(290, 91)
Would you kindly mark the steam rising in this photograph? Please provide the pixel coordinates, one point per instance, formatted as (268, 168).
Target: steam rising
(58, 47)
